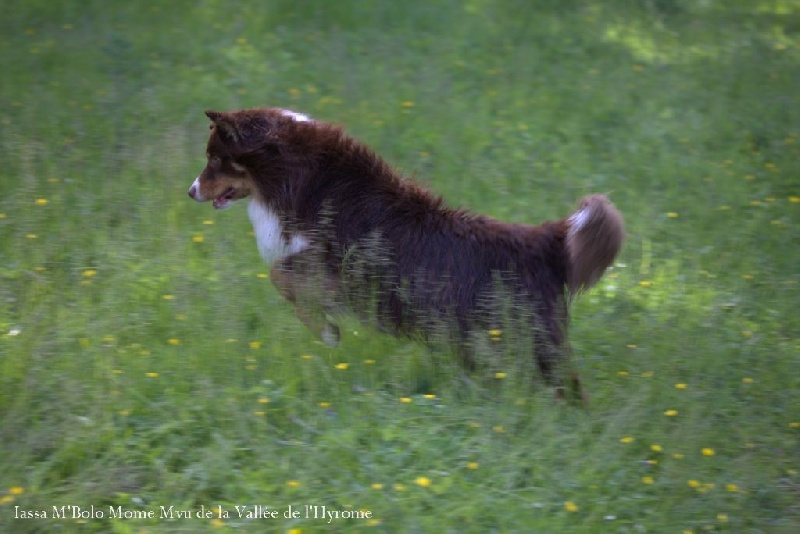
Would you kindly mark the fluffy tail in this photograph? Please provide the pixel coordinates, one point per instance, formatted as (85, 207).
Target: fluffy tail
(594, 238)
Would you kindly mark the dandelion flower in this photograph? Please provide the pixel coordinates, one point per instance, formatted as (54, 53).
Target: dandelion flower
(722, 518)
(680, 386)
(88, 273)
(708, 451)
(647, 480)
(732, 488)
(645, 283)
(342, 366)
(570, 506)
(473, 465)
(41, 202)
(377, 486)
(655, 448)
(627, 439)
(693, 483)
(151, 374)
(672, 215)
(174, 341)
(671, 413)
(500, 375)
(423, 482)
(198, 239)
(405, 400)
(747, 380)
(324, 404)
(16, 490)
(293, 484)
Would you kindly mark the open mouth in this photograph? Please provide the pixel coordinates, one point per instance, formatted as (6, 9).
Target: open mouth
(225, 199)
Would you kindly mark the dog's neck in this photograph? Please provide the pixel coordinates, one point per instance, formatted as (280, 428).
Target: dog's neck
(272, 240)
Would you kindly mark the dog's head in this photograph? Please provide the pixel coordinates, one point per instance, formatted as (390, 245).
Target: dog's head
(235, 136)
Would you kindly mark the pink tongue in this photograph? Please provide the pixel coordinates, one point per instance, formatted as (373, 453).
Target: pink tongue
(222, 199)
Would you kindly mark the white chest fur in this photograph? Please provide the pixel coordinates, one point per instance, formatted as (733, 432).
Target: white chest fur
(272, 244)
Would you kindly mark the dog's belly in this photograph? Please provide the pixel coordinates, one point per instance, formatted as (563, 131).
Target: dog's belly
(272, 243)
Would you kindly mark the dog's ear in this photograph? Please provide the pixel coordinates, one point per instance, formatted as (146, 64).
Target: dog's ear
(226, 127)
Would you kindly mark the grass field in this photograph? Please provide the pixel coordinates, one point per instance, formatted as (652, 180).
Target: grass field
(147, 362)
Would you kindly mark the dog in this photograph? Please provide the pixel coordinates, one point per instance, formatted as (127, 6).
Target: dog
(344, 231)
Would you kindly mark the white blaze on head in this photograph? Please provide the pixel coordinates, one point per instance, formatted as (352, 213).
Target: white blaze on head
(195, 190)
(297, 117)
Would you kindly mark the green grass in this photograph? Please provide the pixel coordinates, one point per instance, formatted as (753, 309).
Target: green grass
(144, 362)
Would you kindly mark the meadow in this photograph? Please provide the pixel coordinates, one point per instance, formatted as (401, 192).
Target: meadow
(146, 362)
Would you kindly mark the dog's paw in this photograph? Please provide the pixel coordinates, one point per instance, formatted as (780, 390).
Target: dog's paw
(330, 335)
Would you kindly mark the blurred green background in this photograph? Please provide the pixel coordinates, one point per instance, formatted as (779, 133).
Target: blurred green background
(146, 361)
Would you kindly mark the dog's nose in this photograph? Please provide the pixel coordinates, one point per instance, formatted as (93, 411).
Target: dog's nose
(193, 191)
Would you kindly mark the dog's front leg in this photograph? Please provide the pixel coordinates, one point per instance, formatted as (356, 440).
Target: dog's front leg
(302, 280)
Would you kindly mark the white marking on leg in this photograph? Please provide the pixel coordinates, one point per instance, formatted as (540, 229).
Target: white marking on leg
(297, 244)
(330, 335)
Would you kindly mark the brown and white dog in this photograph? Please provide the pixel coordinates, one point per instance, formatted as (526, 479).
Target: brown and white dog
(344, 231)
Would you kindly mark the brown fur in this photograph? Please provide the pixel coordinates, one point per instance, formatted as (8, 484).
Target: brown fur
(388, 249)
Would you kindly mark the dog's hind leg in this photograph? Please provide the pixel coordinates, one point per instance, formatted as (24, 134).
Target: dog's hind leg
(554, 364)
(313, 293)
(553, 357)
